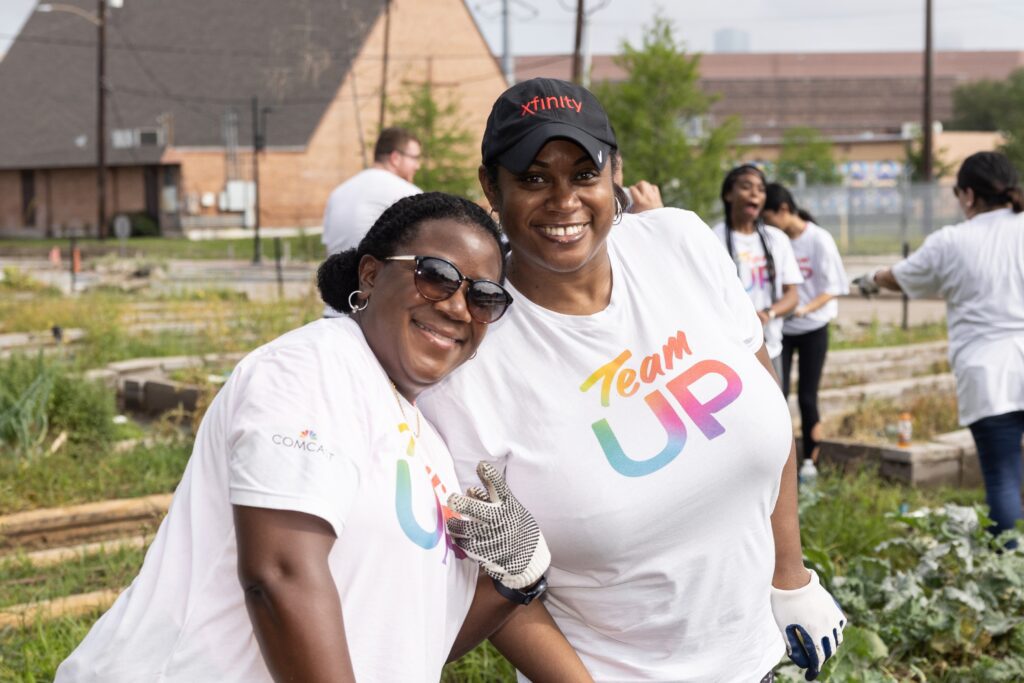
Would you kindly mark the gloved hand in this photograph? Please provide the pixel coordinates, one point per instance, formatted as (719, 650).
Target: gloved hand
(866, 284)
(498, 532)
(811, 624)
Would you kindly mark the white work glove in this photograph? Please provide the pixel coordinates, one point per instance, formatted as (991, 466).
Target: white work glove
(811, 624)
(498, 532)
(866, 284)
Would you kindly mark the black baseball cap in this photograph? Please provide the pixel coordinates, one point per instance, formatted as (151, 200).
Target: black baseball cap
(532, 112)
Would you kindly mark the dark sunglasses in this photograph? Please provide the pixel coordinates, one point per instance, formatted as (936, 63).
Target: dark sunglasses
(437, 279)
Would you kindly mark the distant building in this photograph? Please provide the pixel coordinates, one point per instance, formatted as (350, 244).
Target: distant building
(181, 76)
(731, 40)
(868, 103)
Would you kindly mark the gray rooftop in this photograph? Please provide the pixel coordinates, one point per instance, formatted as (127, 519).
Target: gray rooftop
(177, 63)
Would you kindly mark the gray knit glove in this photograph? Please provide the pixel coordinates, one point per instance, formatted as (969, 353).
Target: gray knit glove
(498, 532)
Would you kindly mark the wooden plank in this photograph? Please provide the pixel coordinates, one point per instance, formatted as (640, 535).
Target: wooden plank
(25, 615)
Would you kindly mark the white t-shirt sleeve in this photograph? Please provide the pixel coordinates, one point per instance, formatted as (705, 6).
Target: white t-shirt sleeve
(836, 282)
(285, 444)
(920, 274)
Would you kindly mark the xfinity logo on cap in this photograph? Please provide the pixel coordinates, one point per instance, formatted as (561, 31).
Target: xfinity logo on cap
(544, 103)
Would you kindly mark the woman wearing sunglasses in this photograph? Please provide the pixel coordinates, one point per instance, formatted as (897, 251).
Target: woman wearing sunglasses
(629, 400)
(307, 540)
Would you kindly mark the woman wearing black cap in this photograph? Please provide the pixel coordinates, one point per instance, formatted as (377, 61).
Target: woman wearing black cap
(978, 267)
(629, 400)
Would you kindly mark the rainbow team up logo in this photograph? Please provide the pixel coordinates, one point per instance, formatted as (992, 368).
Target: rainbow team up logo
(627, 381)
(308, 434)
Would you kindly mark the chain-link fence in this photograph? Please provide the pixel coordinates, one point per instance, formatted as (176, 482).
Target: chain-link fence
(878, 220)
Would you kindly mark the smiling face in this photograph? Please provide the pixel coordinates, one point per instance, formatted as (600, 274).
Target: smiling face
(418, 342)
(746, 199)
(558, 213)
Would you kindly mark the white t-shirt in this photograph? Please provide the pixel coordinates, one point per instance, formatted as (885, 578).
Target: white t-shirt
(309, 423)
(822, 269)
(356, 204)
(978, 267)
(648, 442)
(752, 266)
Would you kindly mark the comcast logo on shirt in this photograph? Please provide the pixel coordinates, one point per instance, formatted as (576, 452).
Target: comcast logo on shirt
(307, 441)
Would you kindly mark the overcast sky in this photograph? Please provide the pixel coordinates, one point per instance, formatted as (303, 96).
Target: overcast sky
(546, 26)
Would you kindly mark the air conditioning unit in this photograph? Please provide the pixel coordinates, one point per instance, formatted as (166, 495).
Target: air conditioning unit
(131, 138)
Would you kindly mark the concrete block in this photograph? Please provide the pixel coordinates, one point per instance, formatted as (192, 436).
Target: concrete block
(135, 365)
(164, 396)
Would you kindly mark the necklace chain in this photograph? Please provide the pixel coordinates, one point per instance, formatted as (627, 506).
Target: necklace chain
(398, 400)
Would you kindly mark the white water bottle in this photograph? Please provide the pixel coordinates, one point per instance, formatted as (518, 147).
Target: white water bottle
(808, 473)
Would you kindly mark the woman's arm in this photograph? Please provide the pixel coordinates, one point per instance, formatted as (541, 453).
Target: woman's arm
(290, 594)
(533, 643)
(789, 562)
(784, 306)
(814, 304)
(489, 611)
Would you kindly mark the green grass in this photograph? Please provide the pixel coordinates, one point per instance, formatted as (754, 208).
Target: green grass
(304, 247)
(83, 474)
(932, 414)
(483, 665)
(226, 325)
(32, 655)
(877, 334)
(23, 583)
(845, 515)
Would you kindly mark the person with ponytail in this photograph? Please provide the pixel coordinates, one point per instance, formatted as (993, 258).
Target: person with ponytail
(977, 266)
(806, 330)
(307, 540)
(762, 254)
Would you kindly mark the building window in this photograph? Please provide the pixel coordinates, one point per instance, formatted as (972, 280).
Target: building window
(28, 198)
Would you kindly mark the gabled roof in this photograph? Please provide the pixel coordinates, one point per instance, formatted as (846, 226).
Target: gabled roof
(183, 62)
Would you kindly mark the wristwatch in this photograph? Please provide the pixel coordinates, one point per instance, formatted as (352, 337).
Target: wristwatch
(770, 312)
(523, 596)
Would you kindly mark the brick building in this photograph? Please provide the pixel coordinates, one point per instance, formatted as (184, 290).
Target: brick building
(181, 77)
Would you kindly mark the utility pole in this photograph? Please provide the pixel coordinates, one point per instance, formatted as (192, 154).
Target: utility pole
(257, 145)
(577, 56)
(384, 64)
(926, 123)
(101, 119)
(507, 63)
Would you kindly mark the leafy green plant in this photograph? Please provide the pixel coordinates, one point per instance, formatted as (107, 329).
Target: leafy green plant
(40, 396)
(17, 280)
(26, 385)
(930, 594)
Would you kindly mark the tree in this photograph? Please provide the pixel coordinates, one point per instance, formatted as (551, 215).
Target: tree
(941, 167)
(994, 105)
(448, 164)
(804, 151)
(651, 110)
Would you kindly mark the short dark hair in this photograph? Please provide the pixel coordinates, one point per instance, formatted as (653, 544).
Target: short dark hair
(993, 178)
(392, 140)
(338, 276)
(776, 194)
